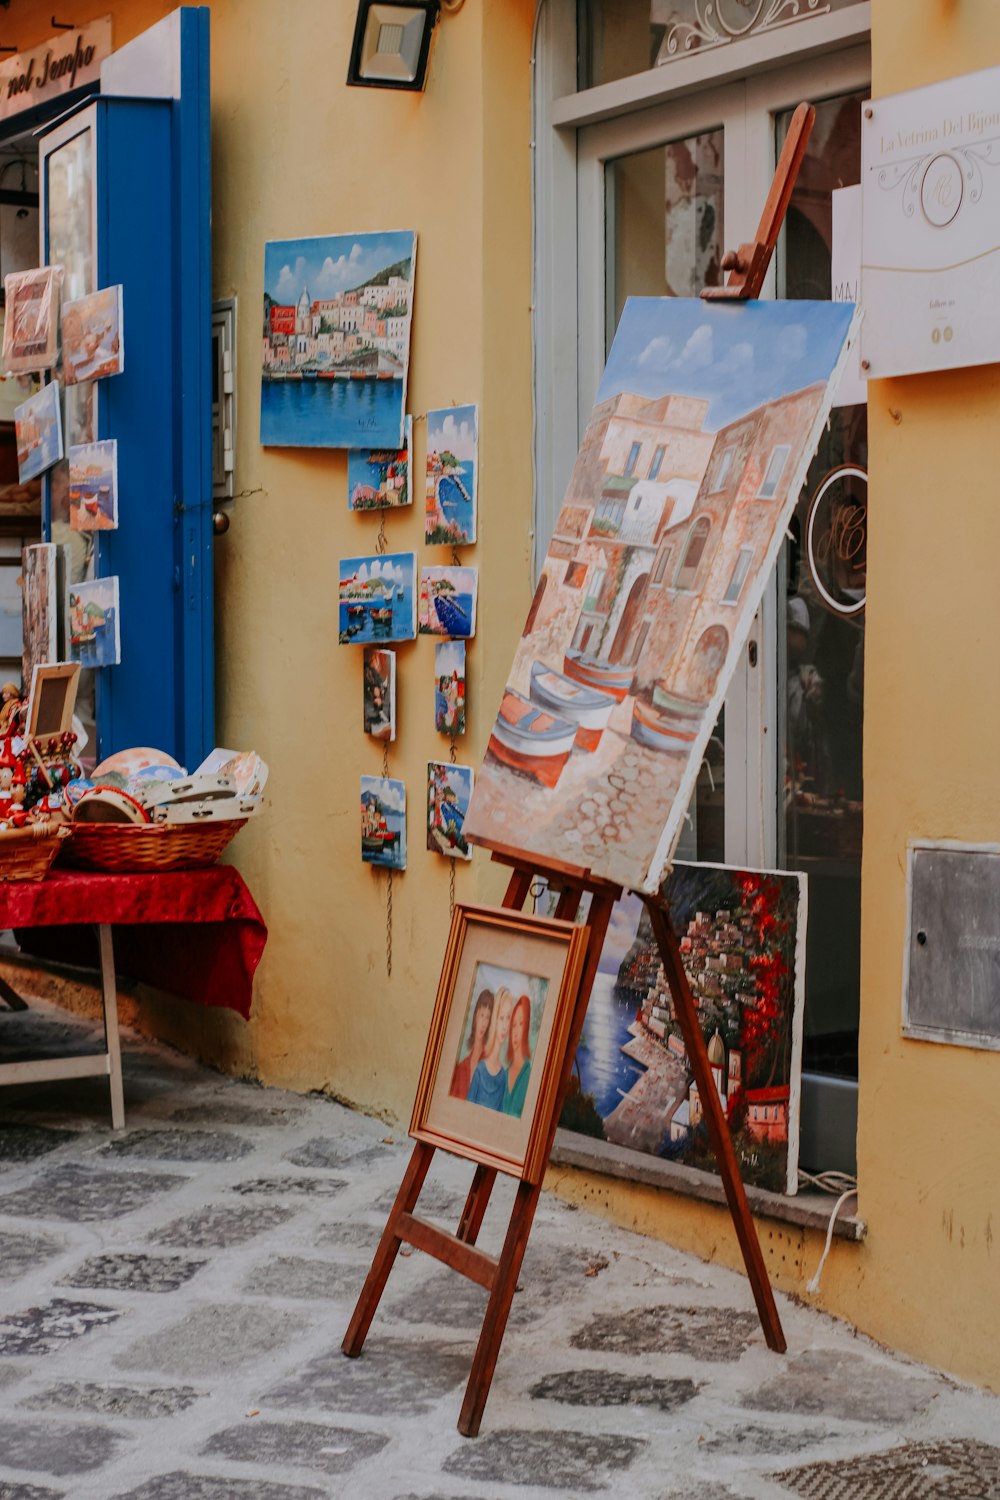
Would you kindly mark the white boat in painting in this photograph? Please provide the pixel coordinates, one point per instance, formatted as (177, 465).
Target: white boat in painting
(528, 739)
(605, 676)
(669, 722)
(587, 707)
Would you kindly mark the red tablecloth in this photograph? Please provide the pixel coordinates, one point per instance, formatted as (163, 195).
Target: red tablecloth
(195, 933)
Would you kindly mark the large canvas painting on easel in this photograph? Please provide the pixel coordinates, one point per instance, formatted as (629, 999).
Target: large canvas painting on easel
(706, 419)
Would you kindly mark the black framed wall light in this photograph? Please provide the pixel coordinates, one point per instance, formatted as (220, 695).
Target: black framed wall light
(392, 40)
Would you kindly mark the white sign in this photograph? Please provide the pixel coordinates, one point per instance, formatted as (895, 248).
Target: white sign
(845, 284)
(63, 63)
(930, 274)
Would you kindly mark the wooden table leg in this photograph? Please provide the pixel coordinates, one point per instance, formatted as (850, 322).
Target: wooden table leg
(388, 1247)
(111, 1039)
(11, 997)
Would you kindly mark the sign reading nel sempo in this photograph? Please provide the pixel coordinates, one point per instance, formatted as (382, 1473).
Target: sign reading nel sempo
(56, 67)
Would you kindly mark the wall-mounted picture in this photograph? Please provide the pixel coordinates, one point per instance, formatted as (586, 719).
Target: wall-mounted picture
(31, 320)
(94, 632)
(489, 1082)
(93, 339)
(449, 687)
(383, 822)
(380, 693)
(93, 486)
(706, 419)
(38, 432)
(379, 478)
(452, 475)
(448, 601)
(378, 600)
(337, 314)
(40, 608)
(449, 788)
(742, 941)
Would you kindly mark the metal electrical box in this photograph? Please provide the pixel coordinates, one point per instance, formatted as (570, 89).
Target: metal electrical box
(951, 973)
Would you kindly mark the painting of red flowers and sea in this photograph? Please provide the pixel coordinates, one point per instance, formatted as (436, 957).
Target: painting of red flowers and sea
(707, 417)
(742, 940)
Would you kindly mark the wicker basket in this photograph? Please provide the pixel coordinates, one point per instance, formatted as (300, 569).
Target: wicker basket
(121, 847)
(27, 853)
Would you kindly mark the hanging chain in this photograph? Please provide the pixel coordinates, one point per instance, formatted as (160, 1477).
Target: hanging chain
(381, 545)
(453, 757)
(388, 881)
(456, 561)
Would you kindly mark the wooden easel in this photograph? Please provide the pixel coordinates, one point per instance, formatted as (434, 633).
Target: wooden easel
(498, 1275)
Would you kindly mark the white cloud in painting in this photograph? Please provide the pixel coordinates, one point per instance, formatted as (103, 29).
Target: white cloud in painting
(391, 794)
(739, 360)
(290, 281)
(340, 274)
(362, 574)
(657, 354)
(459, 437)
(793, 342)
(697, 352)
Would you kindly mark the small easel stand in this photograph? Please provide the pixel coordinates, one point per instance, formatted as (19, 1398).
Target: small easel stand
(459, 1250)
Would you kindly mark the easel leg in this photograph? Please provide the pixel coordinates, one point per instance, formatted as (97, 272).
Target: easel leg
(718, 1129)
(476, 1204)
(498, 1309)
(111, 1040)
(12, 999)
(388, 1247)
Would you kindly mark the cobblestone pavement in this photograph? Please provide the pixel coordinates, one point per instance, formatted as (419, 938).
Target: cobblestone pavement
(173, 1298)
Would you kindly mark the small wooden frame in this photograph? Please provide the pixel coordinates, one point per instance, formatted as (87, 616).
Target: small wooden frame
(52, 699)
(509, 981)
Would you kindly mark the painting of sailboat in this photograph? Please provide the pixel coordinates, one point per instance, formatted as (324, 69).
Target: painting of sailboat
(377, 598)
(706, 419)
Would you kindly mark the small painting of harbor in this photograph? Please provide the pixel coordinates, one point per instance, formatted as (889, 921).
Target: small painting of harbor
(449, 788)
(336, 343)
(379, 478)
(742, 942)
(449, 687)
(93, 342)
(94, 632)
(448, 601)
(38, 432)
(383, 822)
(93, 486)
(499, 1039)
(706, 420)
(452, 475)
(380, 693)
(377, 598)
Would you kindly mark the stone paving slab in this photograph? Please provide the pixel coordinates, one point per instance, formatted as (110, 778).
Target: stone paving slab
(173, 1300)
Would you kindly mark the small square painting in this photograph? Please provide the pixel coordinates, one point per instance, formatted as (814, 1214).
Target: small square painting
(452, 474)
(449, 788)
(448, 601)
(377, 598)
(379, 478)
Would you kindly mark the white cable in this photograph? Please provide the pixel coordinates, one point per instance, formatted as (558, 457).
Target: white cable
(813, 1284)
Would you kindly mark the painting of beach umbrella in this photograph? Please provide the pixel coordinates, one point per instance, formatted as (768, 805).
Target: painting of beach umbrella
(452, 476)
(448, 601)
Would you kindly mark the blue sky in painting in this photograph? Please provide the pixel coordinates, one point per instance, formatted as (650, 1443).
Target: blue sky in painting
(330, 263)
(737, 356)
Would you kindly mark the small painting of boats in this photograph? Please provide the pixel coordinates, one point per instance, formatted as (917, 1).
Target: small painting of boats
(93, 486)
(669, 722)
(383, 822)
(528, 739)
(586, 706)
(614, 678)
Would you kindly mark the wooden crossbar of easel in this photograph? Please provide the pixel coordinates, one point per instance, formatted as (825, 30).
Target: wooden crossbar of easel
(498, 1275)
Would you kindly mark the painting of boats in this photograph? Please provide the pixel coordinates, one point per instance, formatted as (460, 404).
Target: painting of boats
(93, 486)
(706, 420)
(383, 822)
(377, 598)
(531, 741)
(560, 695)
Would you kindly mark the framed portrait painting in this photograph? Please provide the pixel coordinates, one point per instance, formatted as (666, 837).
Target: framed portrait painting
(490, 1078)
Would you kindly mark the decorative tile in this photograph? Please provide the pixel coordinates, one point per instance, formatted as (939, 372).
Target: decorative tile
(333, 1450)
(146, 1403)
(609, 1388)
(399, 1375)
(961, 1469)
(827, 1383)
(574, 1461)
(713, 1333)
(40, 1330)
(58, 1448)
(214, 1339)
(86, 1194)
(180, 1145)
(219, 1228)
(135, 1273)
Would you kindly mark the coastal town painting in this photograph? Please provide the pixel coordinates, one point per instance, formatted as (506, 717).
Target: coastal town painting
(452, 473)
(336, 340)
(449, 788)
(706, 419)
(448, 601)
(379, 478)
(38, 432)
(93, 486)
(93, 340)
(380, 693)
(378, 598)
(742, 941)
(94, 628)
(449, 687)
(383, 822)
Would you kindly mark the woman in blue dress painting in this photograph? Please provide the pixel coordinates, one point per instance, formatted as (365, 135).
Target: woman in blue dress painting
(489, 1081)
(518, 1058)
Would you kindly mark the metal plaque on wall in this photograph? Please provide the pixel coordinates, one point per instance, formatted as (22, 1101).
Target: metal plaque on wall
(951, 972)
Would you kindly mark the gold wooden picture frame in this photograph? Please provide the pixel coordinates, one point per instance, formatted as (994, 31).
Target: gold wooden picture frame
(490, 1079)
(52, 699)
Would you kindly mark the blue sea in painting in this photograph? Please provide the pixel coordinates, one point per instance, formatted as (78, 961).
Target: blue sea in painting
(101, 648)
(383, 823)
(455, 614)
(318, 413)
(361, 624)
(605, 1071)
(376, 599)
(455, 497)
